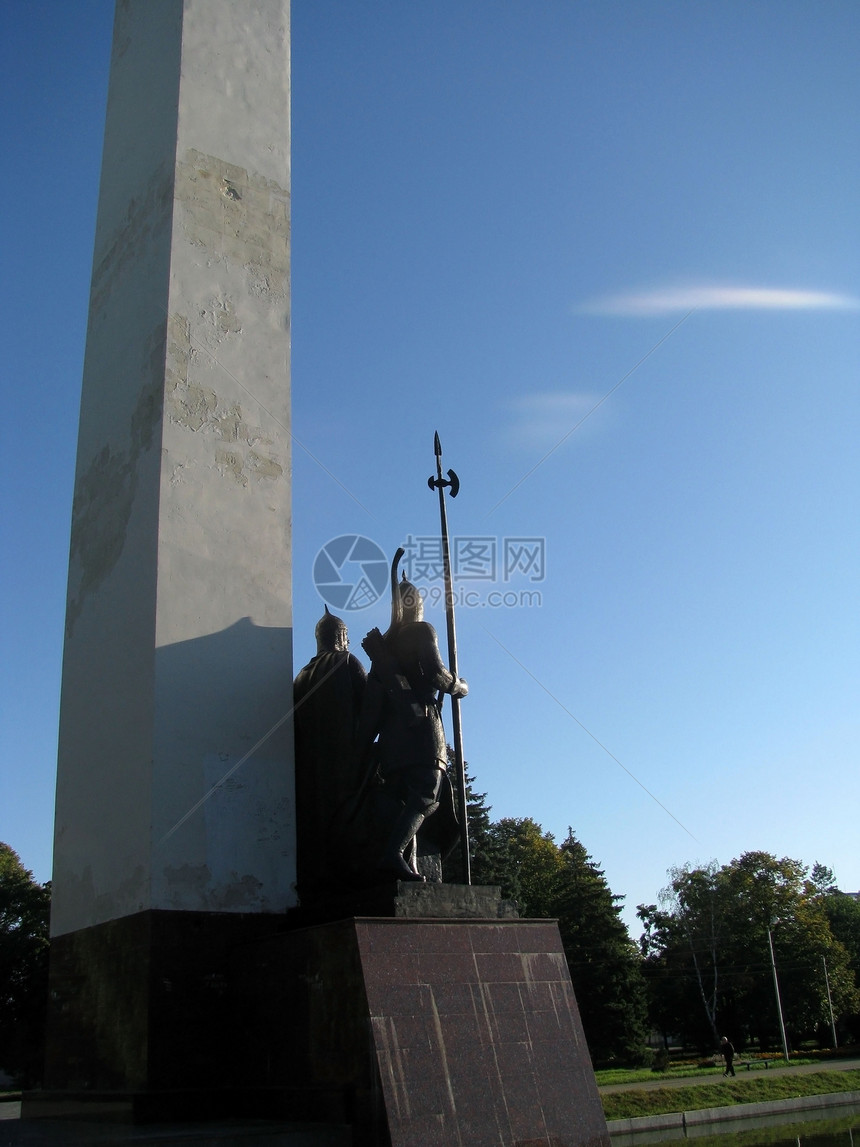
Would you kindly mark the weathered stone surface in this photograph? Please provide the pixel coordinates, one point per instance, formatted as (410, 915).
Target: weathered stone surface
(403, 898)
(452, 901)
(178, 650)
(175, 824)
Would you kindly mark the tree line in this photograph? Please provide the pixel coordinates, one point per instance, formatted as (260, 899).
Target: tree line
(702, 968)
(711, 948)
(25, 907)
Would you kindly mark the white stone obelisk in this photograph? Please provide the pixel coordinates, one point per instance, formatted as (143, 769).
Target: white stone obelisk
(175, 781)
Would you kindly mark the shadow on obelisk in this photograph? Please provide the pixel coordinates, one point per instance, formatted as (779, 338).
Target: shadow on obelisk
(224, 747)
(139, 1015)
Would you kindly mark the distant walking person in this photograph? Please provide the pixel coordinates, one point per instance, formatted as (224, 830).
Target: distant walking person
(728, 1053)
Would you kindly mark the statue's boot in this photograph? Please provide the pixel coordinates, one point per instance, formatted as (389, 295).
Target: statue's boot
(393, 861)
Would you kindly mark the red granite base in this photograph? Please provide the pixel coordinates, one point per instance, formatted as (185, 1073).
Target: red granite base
(477, 1034)
(433, 1032)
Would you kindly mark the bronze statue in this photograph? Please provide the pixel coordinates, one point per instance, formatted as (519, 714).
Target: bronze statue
(327, 697)
(403, 705)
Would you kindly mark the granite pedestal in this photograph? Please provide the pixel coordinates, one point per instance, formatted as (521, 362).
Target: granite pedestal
(423, 1031)
(419, 1026)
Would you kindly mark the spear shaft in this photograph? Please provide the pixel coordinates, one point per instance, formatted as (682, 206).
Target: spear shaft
(457, 733)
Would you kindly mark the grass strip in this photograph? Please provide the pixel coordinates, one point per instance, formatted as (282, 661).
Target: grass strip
(632, 1104)
(610, 1075)
(646, 1075)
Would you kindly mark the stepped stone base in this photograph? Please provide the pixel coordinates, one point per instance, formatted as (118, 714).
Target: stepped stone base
(420, 1026)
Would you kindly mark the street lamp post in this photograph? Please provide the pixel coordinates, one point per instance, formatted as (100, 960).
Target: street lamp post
(778, 1000)
(829, 1001)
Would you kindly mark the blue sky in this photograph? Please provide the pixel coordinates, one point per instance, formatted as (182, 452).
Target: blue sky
(510, 220)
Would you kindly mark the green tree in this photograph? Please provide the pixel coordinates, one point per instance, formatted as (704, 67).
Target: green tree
(769, 893)
(822, 878)
(708, 956)
(24, 919)
(605, 965)
(843, 916)
(527, 864)
(682, 949)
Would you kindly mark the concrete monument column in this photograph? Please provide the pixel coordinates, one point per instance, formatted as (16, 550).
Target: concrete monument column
(174, 813)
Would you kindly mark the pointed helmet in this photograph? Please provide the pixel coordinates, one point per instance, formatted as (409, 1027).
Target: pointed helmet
(331, 633)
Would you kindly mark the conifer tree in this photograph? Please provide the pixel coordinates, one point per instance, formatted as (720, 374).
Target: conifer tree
(605, 965)
(486, 857)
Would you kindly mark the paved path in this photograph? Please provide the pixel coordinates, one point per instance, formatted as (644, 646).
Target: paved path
(716, 1075)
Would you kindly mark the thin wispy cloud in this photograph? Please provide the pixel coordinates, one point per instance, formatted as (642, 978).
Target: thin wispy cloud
(591, 408)
(537, 417)
(671, 300)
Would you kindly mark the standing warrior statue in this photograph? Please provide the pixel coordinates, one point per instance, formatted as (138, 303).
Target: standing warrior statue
(327, 695)
(402, 703)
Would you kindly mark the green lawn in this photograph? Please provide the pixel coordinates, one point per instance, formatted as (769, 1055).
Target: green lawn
(758, 1089)
(687, 1070)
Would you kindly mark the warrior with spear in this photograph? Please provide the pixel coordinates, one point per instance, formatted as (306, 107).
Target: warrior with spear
(407, 682)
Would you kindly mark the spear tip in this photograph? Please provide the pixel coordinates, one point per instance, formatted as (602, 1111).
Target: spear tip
(437, 445)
